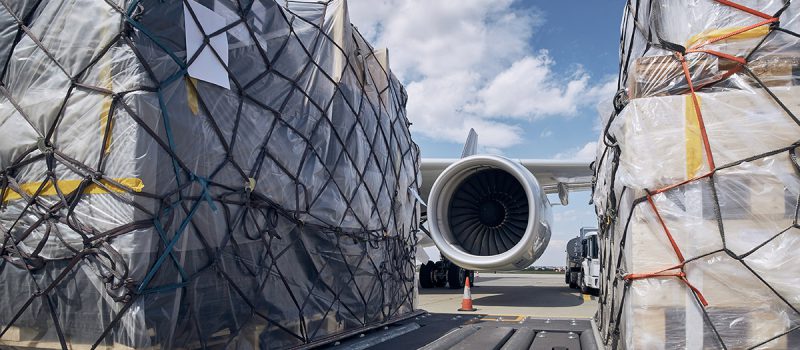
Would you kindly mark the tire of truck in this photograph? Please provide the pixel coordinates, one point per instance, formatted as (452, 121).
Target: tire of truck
(584, 290)
(566, 277)
(572, 283)
(456, 276)
(425, 280)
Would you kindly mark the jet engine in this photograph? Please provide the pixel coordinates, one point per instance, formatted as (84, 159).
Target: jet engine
(488, 212)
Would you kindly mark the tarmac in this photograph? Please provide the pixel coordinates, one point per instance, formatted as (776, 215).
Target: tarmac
(510, 294)
(522, 304)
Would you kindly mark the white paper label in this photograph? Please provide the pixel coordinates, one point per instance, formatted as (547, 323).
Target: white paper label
(206, 66)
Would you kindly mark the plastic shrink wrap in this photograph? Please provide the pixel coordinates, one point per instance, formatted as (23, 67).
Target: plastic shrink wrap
(697, 179)
(199, 174)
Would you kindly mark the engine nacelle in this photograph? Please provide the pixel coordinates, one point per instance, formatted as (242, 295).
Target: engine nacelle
(488, 212)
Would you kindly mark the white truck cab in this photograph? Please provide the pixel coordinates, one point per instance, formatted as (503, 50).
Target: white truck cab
(583, 261)
(590, 265)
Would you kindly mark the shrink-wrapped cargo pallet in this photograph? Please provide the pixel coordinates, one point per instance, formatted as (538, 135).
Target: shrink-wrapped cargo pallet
(199, 174)
(697, 178)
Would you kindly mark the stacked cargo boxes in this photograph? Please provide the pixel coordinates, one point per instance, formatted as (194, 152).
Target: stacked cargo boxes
(199, 174)
(697, 181)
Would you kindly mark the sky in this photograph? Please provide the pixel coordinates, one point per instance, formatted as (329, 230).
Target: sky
(530, 76)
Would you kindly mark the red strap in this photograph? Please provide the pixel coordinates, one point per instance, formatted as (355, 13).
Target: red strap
(669, 272)
(664, 273)
(665, 189)
(666, 230)
(706, 144)
(695, 290)
(735, 32)
(726, 56)
(745, 9)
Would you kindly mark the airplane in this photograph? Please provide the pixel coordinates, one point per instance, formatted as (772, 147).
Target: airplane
(488, 212)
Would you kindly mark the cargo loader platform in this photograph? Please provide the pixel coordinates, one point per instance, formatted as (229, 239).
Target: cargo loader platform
(467, 332)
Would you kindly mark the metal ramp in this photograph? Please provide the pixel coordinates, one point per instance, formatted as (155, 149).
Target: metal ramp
(517, 333)
(464, 332)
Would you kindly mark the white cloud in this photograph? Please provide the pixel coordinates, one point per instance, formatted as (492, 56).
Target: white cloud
(528, 90)
(567, 222)
(587, 152)
(546, 133)
(469, 64)
(564, 214)
(605, 103)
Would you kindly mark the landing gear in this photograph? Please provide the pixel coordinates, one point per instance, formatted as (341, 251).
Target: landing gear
(425, 275)
(456, 276)
(472, 278)
(444, 273)
(441, 275)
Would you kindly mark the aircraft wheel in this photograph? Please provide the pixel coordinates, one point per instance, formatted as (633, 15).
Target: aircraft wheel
(472, 278)
(456, 276)
(425, 280)
(436, 271)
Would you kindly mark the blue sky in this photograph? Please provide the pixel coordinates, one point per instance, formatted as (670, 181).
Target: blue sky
(529, 76)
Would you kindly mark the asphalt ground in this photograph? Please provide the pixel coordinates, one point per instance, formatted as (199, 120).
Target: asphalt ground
(540, 301)
(535, 295)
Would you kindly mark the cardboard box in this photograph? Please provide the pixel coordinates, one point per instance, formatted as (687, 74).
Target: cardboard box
(663, 75)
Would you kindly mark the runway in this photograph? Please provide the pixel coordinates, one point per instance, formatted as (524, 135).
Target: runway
(535, 295)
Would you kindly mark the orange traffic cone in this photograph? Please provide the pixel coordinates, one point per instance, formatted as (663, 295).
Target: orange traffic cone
(466, 302)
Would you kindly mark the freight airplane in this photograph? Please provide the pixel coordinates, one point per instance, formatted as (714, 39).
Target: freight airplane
(490, 213)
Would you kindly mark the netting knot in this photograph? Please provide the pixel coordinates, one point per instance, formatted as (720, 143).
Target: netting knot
(250, 185)
(620, 100)
(44, 146)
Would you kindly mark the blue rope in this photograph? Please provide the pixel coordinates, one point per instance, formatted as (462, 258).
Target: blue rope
(205, 194)
(170, 246)
(170, 139)
(163, 235)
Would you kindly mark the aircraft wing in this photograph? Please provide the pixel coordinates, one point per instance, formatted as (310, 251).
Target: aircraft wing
(571, 175)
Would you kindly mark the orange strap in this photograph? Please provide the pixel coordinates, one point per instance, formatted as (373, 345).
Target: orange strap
(697, 48)
(739, 60)
(662, 273)
(745, 9)
(733, 33)
(696, 103)
(666, 230)
(665, 189)
(666, 273)
(695, 290)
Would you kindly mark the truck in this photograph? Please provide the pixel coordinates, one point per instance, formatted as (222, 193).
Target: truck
(583, 262)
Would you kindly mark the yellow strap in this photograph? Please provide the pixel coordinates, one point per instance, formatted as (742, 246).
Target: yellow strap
(694, 143)
(69, 186)
(105, 110)
(191, 95)
(715, 33)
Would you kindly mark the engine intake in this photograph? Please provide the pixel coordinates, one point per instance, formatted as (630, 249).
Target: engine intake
(488, 213)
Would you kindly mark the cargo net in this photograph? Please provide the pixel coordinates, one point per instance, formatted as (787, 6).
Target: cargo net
(697, 179)
(210, 174)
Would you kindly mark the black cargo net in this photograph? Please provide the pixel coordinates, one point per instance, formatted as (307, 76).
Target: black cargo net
(142, 207)
(715, 204)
